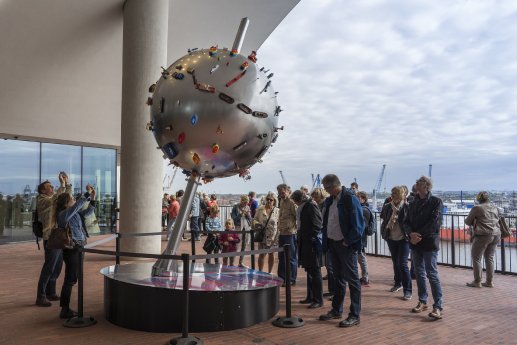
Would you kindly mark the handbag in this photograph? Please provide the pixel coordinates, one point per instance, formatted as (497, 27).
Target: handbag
(60, 238)
(505, 229)
(259, 231)
(211, 244)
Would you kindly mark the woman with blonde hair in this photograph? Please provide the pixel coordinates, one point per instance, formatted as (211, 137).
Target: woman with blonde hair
(392, 232)
(484, 218)
(266, 217)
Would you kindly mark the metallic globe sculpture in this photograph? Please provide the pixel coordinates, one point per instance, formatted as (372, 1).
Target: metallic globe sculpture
(214, 112)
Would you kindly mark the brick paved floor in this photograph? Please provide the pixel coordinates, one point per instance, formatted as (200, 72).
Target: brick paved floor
(471, 316)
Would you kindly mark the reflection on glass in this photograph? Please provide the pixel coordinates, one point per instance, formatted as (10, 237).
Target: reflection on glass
(99, 170)
(19, 177)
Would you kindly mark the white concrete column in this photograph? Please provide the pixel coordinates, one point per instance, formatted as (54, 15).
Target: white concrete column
(141, 172)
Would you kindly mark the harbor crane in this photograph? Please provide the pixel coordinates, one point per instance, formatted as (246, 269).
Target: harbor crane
(316, 181)
(378, 186)
(430, 170)
(282, 176)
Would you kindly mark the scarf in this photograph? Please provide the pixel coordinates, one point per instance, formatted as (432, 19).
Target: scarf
(394, 215)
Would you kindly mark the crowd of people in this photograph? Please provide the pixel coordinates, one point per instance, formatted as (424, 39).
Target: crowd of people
(327, 227)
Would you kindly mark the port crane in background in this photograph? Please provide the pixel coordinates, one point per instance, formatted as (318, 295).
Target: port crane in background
(430, 170)
(378, 186)
(282, 176)
(316, 181)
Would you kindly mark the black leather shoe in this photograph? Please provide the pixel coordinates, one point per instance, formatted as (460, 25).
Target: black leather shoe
(315, 305)
(67, 313)
(330, 315)
(328, 294)
(43, 302)
(53, 298)
(349, 322)
(305, 301)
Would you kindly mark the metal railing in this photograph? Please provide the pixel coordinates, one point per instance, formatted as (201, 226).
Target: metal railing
(455, 244)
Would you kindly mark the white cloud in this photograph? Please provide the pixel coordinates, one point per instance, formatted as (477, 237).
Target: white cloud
(408, 83)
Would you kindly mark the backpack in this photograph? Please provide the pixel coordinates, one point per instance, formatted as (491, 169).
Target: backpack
(371, 227)
(37, 227)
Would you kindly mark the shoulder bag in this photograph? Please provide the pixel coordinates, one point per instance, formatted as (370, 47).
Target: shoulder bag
(60, 238)
(259, 231)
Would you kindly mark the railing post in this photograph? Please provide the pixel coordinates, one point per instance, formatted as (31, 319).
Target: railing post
(453, 247)
(288, 321)
(377, 240)
(503, 257)
(185, 338)
(117, 249)
(80, 321)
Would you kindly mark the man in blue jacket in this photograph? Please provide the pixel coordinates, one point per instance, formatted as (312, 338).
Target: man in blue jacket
(343, 227)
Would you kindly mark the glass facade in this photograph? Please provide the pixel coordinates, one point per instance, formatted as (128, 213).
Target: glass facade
(25, 164)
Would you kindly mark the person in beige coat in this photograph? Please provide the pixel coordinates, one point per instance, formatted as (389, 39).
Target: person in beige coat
(263, 213)
(484, 218)
(45, 204)
(287, 230)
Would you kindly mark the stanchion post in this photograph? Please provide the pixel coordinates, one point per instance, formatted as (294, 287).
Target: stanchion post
(453, 249)
(185, 339)
(252, 245)
(117, 249)
(503, 257)
(80, 321)
(288, 321)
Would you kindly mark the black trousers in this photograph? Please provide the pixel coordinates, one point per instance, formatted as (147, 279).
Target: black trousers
(71, 259)
(314, 285)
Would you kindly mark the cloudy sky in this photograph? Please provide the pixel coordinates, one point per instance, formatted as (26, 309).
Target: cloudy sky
(401, 83)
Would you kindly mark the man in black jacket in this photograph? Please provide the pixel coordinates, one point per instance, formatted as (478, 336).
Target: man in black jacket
(422, 225)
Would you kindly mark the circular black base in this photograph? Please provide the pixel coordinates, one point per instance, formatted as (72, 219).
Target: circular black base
(289, 322)
(221, 298)
(190, 340)
(80, 322)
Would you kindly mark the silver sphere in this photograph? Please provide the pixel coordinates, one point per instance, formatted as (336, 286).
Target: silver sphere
(214, 113)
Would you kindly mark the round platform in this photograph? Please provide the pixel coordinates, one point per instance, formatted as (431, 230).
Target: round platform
(221, 297)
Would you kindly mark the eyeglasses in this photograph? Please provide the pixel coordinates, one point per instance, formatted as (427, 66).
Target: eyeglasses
(270, 199)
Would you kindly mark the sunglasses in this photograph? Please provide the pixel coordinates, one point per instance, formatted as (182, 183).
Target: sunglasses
(270, 199)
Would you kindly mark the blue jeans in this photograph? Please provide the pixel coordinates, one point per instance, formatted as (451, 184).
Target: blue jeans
(399, 256)
(194, 227)
(291, 240)
(425, 264)
(344, 262)
(50, 271)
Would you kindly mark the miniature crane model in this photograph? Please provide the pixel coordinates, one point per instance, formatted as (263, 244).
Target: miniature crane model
(214, 114)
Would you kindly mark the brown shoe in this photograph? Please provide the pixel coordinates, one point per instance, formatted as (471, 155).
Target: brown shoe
(474, 284)
(43, 302)
(487, 284)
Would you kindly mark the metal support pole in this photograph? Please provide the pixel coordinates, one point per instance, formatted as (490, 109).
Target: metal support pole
(162, 266)
(376, 236)
(80, 321)
(288, 321)
(185, 339)
(192, 244)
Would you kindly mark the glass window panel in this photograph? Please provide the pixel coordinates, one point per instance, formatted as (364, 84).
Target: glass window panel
(19, 178)
(56, 158)
(100, 171)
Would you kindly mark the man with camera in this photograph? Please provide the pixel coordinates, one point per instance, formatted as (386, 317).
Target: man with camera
(51, 269)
